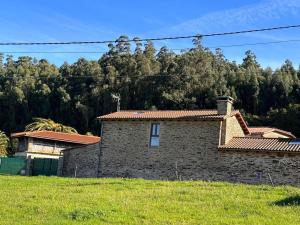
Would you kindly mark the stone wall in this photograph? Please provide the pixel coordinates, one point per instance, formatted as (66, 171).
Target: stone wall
(224, 107)
(259, 168)
(188, 150)
(81, 162)
(230, 128)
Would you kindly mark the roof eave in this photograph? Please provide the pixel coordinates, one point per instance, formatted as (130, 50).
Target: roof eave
(224, 149)
(283, 133)
(16, 135)
(28, 135)
(161, 119)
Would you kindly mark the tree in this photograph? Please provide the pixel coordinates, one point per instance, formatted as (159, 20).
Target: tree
(40, 124)
(286, 118)
(75, 94)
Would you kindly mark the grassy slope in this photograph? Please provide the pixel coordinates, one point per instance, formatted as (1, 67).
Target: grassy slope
(52, 200)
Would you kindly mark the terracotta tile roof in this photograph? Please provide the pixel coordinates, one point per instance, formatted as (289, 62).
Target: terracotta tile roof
(166, 114)
(59, 136)
(260, 130)
(242, 122)
(173, 115)
(264, 130)
(262, 144)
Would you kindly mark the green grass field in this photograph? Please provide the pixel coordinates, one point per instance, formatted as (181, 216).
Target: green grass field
(53, 200)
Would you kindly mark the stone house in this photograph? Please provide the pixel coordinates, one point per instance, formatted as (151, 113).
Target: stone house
(49, 144)
(201, 144)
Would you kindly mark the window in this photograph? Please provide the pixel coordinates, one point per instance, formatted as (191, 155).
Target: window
(154, 136)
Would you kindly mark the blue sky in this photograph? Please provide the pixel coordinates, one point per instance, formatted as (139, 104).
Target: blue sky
(89, 20)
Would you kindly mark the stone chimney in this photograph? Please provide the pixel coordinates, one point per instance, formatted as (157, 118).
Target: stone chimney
(224, 105)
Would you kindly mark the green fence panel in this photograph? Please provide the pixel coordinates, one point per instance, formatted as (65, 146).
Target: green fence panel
(44, 166)
(12, 165)
(38, 167)
(53, 167)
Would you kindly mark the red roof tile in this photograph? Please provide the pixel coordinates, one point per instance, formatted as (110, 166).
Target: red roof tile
(167, 114)
(59, 136)
(261, 144)
(263, 130)
(260, 130)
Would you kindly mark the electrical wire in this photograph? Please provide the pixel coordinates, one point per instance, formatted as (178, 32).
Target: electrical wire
(152, 39)
(174, 49)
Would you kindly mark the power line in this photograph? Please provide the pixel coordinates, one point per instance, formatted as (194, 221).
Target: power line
(256, 43)
(152, 39)
(52, 52)
(175, 49)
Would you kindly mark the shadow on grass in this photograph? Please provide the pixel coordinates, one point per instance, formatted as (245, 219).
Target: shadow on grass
(289, 201)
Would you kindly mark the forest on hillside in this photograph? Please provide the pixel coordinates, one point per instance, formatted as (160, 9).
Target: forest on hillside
(145, 78)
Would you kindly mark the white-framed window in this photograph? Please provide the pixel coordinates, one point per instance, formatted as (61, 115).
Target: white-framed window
(154, 135)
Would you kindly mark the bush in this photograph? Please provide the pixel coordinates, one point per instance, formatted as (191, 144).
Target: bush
(3, 143)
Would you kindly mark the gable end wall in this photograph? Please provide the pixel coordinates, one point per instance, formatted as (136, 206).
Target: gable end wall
(188, 149)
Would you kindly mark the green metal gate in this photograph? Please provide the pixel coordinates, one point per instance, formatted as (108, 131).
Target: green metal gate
(13, 165)
(44, 166)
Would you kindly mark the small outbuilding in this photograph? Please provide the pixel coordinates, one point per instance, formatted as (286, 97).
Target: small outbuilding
(42, 150)
(49, 144)
(269, 132)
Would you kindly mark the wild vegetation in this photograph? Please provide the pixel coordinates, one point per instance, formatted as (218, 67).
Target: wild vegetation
(40, 124)
(145, 78)
(54, 200)
(3, 143)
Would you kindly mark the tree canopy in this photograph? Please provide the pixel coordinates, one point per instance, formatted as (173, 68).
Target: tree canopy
(75, 94)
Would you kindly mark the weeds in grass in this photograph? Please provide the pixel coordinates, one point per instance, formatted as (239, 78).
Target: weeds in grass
(85, 214)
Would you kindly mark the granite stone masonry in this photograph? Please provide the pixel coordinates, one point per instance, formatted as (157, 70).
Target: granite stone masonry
(81, 161)
(211, 145)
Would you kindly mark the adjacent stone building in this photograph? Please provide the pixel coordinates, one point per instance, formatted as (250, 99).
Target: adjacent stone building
(200, 144)
(260, 160)
(269, 132)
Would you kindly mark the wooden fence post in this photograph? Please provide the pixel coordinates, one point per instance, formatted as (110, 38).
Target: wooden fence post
(28, 171)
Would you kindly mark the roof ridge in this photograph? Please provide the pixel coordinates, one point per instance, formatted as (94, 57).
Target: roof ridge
(169, 110)
(166, 110)
(262, 127)
(59, 136)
